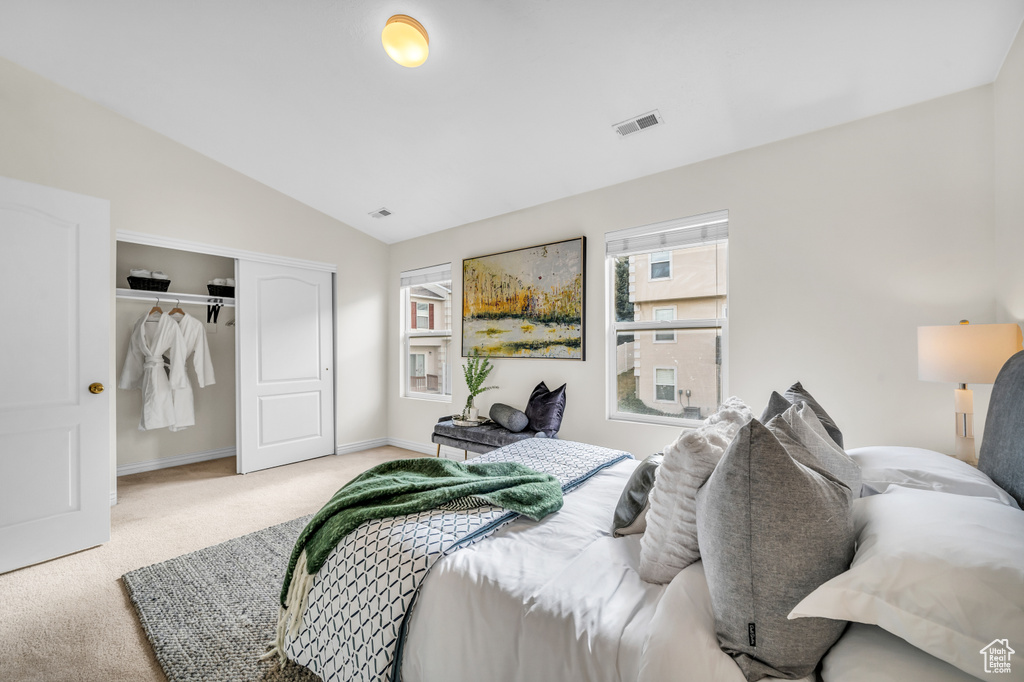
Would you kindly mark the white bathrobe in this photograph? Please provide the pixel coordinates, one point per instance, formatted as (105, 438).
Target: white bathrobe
(194, 338)
(153, 337)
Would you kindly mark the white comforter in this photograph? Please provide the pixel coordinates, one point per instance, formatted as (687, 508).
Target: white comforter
(561, 600)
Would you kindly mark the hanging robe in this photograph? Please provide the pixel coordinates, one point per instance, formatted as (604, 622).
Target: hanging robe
(194, 343)
(153, 337)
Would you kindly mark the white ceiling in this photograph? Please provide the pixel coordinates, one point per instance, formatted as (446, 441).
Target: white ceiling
(515, 105)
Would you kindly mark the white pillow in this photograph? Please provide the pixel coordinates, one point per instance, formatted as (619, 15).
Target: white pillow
(944, 572)
(670, 542)
(882, 466)
(867, 652)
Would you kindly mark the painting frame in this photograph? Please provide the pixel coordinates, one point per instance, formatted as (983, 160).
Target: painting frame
(510, 311)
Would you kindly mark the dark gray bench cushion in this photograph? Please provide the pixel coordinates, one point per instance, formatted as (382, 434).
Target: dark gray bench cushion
(483, 438)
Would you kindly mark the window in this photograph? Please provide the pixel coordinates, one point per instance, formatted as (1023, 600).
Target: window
(417, 365)
(664, 315)
(666, 340)
(424, 316)
(665, 384)
(427, 332)
(661, 265)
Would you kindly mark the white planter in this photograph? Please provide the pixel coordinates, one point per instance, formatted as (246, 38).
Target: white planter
(474, 414)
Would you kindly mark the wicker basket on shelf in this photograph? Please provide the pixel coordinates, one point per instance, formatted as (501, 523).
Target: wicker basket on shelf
(148, 283)
(221, 290)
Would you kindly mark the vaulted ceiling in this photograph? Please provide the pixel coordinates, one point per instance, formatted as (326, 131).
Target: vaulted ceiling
(516, 103)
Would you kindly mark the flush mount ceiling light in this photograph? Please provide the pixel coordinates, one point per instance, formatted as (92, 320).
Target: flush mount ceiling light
(405, 40)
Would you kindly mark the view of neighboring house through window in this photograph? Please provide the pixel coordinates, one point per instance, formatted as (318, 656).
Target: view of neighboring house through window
(669, 309)
(427, 332)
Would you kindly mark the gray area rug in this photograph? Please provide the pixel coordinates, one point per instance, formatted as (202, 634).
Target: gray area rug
(210, 614)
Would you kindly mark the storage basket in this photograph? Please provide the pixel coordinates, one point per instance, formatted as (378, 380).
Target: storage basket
(148, 283)
(221, 290)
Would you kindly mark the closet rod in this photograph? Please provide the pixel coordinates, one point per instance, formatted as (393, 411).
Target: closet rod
(171, 297)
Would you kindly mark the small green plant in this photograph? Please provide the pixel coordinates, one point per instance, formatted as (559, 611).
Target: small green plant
(476, 371)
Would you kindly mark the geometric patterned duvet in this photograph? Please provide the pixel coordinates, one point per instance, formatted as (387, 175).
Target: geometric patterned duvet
(353, 626)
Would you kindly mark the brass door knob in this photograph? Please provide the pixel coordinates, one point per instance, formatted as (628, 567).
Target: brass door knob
(96, 388)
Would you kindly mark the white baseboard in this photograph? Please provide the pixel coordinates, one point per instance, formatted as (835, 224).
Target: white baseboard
(113, 497)
(345, 448)
(174, 461)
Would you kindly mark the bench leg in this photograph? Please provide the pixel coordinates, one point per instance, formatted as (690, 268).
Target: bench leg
(465, 455)
(439, 451)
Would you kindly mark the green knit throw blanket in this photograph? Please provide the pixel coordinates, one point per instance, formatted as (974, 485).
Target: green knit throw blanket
(409, 486)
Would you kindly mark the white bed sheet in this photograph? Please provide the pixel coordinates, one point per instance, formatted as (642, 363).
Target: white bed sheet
(560, 600)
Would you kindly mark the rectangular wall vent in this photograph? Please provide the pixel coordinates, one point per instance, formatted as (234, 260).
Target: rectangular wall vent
(380, 213)
(638, 123)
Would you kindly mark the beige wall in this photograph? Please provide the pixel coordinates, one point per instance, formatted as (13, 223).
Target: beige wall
(1008, 94)
(842, 242)
(50, 136)
(215, 404)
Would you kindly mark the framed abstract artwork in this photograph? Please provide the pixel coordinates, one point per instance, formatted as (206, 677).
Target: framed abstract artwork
(526, 303)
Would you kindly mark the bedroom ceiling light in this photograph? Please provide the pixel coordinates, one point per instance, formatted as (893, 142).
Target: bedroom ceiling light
(965, 354)
(405, 40)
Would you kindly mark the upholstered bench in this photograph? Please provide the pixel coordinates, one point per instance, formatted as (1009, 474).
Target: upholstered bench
(480, 439)
(507, 424)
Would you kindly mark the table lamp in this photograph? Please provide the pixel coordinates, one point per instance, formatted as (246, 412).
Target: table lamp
(965, 354)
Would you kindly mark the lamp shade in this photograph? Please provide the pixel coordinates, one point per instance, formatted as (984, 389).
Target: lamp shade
(965, 353)
(405, 40)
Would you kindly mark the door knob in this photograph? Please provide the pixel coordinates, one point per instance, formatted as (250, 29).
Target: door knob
(96, 388)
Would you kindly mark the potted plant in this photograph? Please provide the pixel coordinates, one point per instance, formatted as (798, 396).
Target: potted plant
(475, 371)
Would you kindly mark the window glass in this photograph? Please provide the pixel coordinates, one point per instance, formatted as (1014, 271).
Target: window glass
(426, 339)
(661, 265)
(667, 335)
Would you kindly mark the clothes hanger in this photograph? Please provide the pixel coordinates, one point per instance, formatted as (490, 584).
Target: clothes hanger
(176, 308)
(157, 308)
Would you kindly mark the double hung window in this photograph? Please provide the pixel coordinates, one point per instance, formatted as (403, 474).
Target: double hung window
(427, 332)
(668, 304)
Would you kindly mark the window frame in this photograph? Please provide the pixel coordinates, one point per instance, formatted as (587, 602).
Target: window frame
(410, 335)
(650, 266)
(614, 328)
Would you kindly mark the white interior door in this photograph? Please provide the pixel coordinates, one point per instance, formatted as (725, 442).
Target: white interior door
(285, 323)
(54, 433)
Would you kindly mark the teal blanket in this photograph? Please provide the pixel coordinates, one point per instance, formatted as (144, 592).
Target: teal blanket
(409, 486)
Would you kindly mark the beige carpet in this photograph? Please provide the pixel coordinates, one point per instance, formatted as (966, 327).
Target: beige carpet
(70, 618)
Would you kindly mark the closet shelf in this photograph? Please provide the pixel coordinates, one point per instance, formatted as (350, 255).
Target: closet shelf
(169, 296)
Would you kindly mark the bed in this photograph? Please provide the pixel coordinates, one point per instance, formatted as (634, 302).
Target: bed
(935, 590)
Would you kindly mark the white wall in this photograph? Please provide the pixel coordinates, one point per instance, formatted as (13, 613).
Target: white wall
(1008, 95)
(51, 136)
(842, 242)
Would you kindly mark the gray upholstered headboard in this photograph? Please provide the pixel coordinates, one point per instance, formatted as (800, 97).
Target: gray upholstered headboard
(1002, 449)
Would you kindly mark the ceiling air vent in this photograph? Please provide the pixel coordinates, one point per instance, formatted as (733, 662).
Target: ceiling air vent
(380, 213)
(638, 123)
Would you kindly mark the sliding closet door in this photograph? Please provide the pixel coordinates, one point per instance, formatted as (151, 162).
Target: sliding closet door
(285, 322)
(54, 362)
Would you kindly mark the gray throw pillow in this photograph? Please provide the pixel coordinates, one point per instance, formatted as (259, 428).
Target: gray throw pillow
(800, 424)
(797, 393)
(505, 415)
(776, 406)
(631, 511)
(771, 530)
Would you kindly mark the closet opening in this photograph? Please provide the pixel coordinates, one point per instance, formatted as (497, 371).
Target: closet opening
(171, 426)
